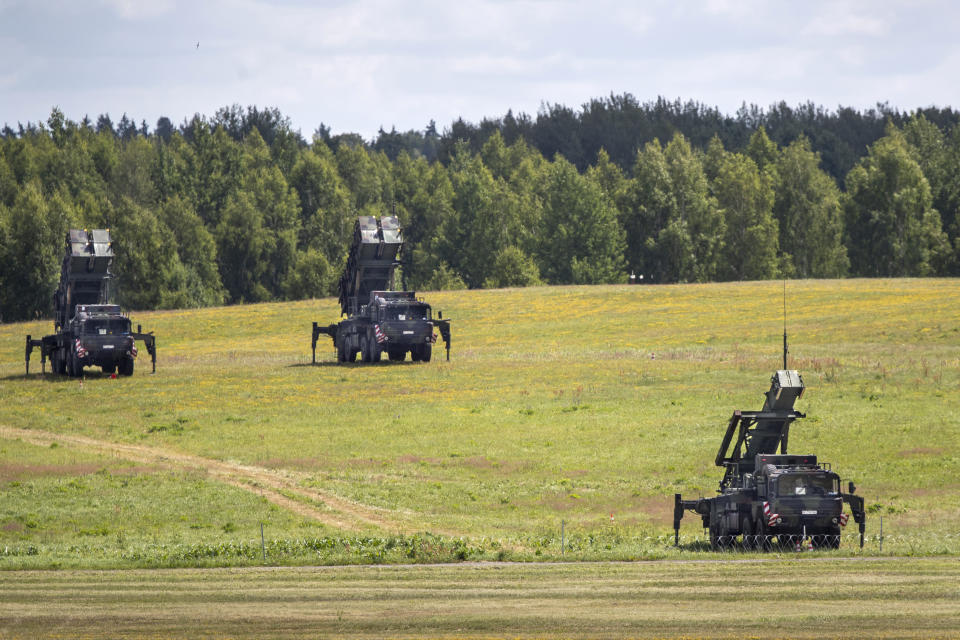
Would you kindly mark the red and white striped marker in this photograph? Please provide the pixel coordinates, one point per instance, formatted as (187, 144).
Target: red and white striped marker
(771, 517)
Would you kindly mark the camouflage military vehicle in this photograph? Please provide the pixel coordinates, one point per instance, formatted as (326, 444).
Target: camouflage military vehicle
(379, 319)
(89, 332)
(766, 498)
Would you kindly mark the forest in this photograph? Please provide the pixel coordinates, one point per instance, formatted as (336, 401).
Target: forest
(240, 207)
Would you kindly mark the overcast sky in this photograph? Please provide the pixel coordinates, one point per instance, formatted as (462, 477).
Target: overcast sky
(359, 66)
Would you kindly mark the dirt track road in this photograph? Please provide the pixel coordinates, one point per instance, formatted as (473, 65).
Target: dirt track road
(275, 486)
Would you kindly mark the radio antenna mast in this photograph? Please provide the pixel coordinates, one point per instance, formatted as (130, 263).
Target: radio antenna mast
(784, 323)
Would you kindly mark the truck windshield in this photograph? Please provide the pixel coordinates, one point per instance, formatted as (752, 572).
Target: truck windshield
(807, 484)
(405, 313)
(106, 326)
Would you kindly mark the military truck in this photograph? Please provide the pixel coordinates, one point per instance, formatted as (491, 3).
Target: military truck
(88, 330)
(769, 499)
(378, 319)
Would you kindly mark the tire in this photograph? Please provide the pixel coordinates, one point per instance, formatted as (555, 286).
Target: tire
(396, 355)
(834, 541)
(375, 349)
(74, 370)
(747, 539)
(109, 369)
(415, 354)
(341, 353)
(365, 350)
(126, 366)
(427, 351)
(830, 539)
(715, 539)
(762, 543)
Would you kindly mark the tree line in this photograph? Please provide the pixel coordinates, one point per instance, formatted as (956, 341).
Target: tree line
(240, 208)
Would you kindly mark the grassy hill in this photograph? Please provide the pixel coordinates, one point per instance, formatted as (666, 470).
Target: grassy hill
(587, 406)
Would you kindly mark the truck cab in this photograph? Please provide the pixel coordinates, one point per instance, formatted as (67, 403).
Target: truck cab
(102, 338)
(401, 324)
(797, 494)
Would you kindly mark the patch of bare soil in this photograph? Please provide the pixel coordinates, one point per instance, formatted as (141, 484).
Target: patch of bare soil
(921, 451)
(15, 471)
(280, 488)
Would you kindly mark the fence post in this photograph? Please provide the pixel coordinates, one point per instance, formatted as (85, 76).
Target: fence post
(881, 534)
(263, 545)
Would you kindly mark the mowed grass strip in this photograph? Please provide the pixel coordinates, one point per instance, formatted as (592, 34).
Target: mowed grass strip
(559, 405)
(838, 598)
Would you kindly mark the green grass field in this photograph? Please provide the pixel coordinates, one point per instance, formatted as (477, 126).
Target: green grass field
(587, 406)
(770, 598)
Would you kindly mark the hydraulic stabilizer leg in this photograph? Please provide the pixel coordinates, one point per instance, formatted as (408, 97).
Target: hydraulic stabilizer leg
(31, 343)
(677, 517)
(699, 506)
(857, 508)
(150, 341)
(330, 330)
(444, 327)
(152, 350)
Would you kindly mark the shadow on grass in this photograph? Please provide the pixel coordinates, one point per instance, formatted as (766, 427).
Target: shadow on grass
(55, 378)
(696, 545)
(354, 365)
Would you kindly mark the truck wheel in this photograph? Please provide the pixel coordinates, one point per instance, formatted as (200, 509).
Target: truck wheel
(74, 370)
(715, 540)
(375, 350)
(126, 367)
(747, 538)
(341, 353)
(415, 354)
(833, 541)
(762, 541)
(427, 351)
(365, 350)
(830, 539)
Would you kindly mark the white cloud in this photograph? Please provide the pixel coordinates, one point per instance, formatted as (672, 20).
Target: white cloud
(849, 19)
(139, 9)
(733, 8)
(358, 64)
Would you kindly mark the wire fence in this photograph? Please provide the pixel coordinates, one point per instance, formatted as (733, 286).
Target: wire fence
(874, 542)
(784, 542)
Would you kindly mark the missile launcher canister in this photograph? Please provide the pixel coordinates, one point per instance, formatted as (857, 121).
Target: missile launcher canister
(378, 319)
(88, 330)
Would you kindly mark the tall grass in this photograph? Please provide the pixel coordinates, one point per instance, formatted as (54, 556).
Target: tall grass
(559, 405)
